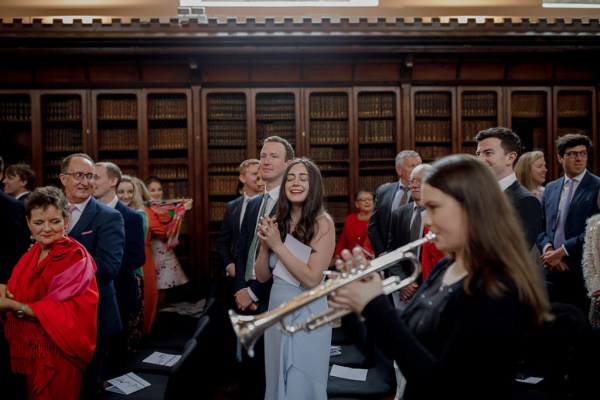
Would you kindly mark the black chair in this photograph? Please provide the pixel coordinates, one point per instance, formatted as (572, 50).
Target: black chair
(171, 330)
(136, 363)
(179, 384)
(559, 352)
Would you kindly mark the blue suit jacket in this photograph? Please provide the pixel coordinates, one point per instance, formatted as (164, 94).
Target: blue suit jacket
(247, 233)
(379, 223)
(134, 257)
(101, 231)
(230, 231)
(584, 204)
(14, 234)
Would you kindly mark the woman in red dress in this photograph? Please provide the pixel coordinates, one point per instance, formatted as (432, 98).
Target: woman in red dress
(354, 231)
(49, 306)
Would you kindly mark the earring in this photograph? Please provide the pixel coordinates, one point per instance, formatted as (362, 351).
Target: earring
(32, 238)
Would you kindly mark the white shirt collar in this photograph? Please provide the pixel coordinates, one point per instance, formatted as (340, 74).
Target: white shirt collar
(81, 206)
(113, 202)
(507, 181)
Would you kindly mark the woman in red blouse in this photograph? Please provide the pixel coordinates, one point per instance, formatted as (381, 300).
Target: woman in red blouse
(355, 228)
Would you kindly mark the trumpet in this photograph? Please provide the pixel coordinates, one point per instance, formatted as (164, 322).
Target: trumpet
(249, 328)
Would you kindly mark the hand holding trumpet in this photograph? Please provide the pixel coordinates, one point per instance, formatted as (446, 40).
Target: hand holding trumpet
(356, 295)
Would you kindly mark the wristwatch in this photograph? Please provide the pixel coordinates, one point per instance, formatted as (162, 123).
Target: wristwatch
(21, 312)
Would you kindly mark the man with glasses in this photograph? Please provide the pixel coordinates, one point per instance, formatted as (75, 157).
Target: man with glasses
(101, 231)
(567, 203)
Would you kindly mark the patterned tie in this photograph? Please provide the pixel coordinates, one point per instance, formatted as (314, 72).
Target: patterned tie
(254, 245)
(559, 234)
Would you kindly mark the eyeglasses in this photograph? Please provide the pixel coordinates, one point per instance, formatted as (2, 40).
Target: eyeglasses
(78, 176)
(364, 199)
(574, 154)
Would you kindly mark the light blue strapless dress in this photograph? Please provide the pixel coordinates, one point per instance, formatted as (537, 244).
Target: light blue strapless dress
(297, 365)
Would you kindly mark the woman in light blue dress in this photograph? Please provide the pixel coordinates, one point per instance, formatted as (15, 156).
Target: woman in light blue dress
(296, 247)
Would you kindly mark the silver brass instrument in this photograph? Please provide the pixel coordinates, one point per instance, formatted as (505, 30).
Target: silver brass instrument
(249, 328)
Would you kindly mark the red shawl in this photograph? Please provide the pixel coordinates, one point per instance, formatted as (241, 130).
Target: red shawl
(62, 292)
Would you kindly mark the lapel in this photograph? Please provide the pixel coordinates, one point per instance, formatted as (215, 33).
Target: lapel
(581, 189)
(87, 216)
(553, 198)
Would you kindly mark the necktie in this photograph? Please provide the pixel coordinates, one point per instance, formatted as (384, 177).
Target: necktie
(243, 210)
(559, 234)
(400, 198)
(254, 244)
(415, 227)
(71, 222)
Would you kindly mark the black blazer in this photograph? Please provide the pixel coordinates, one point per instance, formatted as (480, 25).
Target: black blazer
(529, 210)
(101, 231)
(14, 234)
(134, 257)
(247, 233)
(230, 231)
(399, 235)
(378, 228)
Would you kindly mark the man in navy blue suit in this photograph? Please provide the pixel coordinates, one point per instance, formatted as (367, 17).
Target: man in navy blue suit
(108, 176)
(575, 196)
(252, 296)
(499, 148)
(101, 231)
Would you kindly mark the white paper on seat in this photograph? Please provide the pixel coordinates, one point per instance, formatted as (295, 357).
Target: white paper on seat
(356, 374)
(165, 359)
(127, 384)
(298, 249)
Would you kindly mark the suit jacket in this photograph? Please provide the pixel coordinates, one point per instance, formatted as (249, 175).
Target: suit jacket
(584, 204)
(247, 233)
(101, 231)
(380, 219)
(529, 210)
(134, 257)
(399, 235)
(14, 234)
(230, 231)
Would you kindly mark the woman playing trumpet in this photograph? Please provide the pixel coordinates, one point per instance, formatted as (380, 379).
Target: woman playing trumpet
(296, 365)
(459, 336)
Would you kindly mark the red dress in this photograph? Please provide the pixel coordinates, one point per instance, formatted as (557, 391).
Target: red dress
(430, 255)
(354, 233)
(54, 349)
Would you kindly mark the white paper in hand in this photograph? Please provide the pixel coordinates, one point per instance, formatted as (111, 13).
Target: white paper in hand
(298, 249)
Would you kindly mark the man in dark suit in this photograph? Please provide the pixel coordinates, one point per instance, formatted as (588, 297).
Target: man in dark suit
(14, 242)
(101, 231)
(108, 176)
(390, 196)
(499, 148)
(252, 296)
(574, 196)
(251, 185)
(405, 227)
(18, 181)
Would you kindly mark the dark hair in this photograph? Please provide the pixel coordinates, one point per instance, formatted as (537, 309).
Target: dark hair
(571, 140)
(152, 179)
(289, 150)
(312, 208)
(24, 172)
(46, 196)
(495, 246)
(64, 165)
(509, 140)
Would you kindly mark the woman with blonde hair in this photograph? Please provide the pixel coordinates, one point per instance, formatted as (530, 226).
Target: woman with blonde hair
(531, 172)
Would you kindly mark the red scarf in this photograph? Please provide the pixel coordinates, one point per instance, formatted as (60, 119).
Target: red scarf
(62, 292)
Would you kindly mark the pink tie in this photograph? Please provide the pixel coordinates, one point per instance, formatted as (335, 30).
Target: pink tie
(72, 209)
